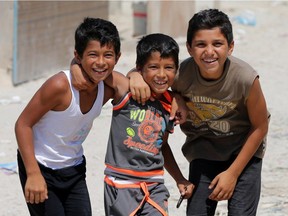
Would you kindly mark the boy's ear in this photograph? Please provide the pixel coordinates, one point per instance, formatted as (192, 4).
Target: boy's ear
(77, 57)
(231, 48)
(117, 57)
(189, 49)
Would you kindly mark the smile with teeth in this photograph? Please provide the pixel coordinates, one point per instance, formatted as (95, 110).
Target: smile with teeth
(99, 71)
(160, 82)
(209, 60)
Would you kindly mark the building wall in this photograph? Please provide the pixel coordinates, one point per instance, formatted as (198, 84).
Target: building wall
(171, 17)
(43, 35)
(6, 36)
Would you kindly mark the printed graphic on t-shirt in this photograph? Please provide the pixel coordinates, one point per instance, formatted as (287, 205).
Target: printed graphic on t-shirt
(146, 126)
(81, 135)
(207, 112)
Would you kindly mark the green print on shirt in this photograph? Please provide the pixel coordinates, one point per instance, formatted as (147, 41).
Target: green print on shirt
(148, 131)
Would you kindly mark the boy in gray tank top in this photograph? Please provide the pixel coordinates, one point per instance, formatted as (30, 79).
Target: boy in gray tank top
(138, 148)
(227, 123)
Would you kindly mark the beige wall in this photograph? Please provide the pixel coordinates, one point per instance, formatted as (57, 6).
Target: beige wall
(169, 17)
(6, 36)
(37, 37)
(45, 33)
(172, 17)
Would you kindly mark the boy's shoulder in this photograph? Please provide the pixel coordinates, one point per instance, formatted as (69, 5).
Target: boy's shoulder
(54, 92)
(189, 60)
(239, 65)
(187, 70)
(58, 82)
(187, 64)
(239, 71)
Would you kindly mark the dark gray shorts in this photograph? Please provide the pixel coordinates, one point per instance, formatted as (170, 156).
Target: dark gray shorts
(245, 198)
(131, 199)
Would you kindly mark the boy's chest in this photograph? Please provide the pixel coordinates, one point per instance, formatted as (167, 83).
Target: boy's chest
(87, 100)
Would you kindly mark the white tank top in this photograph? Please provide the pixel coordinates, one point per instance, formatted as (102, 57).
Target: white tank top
(59, 135)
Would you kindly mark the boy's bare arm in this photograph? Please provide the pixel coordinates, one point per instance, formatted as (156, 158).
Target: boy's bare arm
(119, 83)
(79, 79)
(52, 95)
(225, 182)
(185, 187)
(179, 110)
(140, 90)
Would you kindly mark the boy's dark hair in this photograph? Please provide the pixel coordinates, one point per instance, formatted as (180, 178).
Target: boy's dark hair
(164, 44)
(208, 19)
(96, 29)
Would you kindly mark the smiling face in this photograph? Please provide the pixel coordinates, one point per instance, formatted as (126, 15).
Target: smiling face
(97, 61)
(159, 73)
(210, 49)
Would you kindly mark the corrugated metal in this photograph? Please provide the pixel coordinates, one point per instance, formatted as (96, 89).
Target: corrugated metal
(44, 35)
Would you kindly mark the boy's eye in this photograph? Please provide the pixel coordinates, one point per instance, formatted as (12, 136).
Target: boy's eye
(152, 67)
(92, 54)
(170, 68)
(201, 45)
(218, 44)
(109, 55)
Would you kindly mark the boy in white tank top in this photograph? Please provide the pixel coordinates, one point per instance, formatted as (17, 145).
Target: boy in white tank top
(52, 127)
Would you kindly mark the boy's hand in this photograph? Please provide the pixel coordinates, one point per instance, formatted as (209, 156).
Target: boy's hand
(36, 189)
(140, 90)
(185, 188)
(79, 80)
(179, 110)
(224, 185)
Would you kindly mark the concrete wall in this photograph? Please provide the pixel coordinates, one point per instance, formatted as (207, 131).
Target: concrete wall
(45, 35)
(6, 36)
(169, 17)
(41, 35)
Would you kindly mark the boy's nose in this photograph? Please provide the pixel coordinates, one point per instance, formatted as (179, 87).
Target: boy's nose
(100, 60)
(161, 72)
(209, 49)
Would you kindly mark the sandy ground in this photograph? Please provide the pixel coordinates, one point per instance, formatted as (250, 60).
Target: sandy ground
(264, 46)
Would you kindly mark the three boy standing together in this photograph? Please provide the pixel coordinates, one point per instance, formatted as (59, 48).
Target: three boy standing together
(225, 129)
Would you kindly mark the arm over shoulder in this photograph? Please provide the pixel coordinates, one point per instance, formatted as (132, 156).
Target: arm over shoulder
(119, 83)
